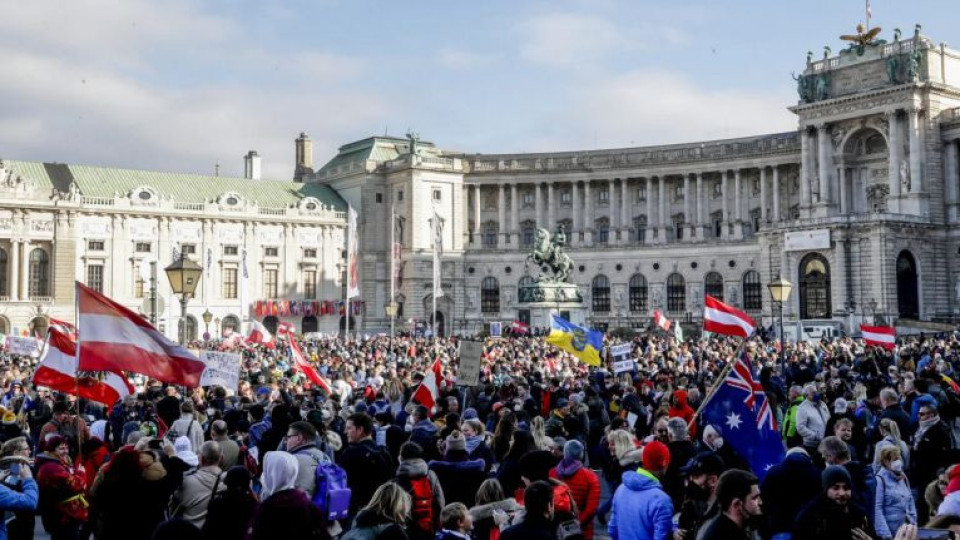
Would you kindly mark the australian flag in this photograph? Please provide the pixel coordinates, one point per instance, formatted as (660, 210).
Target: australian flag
(739, 409)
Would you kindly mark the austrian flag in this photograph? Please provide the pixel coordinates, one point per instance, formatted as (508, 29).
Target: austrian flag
(879, 336)
(428, 393)
(720, 318)
(661, 321)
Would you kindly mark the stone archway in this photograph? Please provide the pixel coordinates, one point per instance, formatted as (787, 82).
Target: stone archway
(815, 291)
(908, 286)
(864, 184)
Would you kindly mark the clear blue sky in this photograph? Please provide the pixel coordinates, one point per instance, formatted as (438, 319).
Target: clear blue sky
(178, 85)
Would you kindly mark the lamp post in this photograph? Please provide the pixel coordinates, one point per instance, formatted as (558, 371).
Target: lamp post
(216, 326)
(184, 276)
(207, 317)
(780, 292)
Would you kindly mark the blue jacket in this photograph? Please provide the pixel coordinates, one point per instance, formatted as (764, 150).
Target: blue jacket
(12, 500)
(894, 504)
(641, 509)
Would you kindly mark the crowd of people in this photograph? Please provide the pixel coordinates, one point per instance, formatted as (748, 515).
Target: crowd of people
(543, 447)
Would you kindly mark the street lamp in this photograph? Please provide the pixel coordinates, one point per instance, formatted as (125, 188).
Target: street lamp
(184, 275)
(207, 317)
(780, 292)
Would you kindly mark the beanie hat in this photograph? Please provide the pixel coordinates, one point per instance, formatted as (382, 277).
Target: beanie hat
(536, 465)
(455, 441)
(833, 475)
(656, 456)
(573, 450)
(470, 413)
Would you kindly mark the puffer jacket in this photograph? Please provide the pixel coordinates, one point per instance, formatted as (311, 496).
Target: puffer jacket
(585, 487)
(414, 469)
(641, 509)
(483, 523)
(680, 408)
(894, 504)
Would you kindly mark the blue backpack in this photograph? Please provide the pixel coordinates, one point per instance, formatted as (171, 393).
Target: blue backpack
(332, 496)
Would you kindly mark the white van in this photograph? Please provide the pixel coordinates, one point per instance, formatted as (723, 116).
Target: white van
(813, 330)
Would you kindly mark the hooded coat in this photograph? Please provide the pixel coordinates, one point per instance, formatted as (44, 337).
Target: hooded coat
(117, 515)
(483, 523)
(285, 512)
(787, 488)
(415, 469)
(641, 509)
(460, 476)
(585, 487)
(680, 408)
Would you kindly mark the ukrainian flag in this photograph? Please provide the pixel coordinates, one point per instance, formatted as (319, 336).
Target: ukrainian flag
(581, 342)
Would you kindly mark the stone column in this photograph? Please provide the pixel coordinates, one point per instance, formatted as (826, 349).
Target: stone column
(502, 229)
(588, 212)
(763, 195)
(776, 194)
(724, 193)
(551, 209)
(738, 203)
(806, 167)
(114, 273)
(842, 180)
(823, 154)
(576, 212)
(25, 270)
(538, 205)
(894, 152)
(701, 222)
(625, 205)
(613, 205)
(687, 218)
(476, 214)
(950, 178)
(650, 222)
(662, 208)
(14, 270)
(514, 209)
(916, 150)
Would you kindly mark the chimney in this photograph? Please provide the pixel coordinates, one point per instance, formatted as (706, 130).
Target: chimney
(251, 165)
(304, 157)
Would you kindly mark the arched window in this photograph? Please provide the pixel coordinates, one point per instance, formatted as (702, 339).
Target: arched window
(713, 285)
(752, 290)
(231, 323)
(603, 230)
(908, 297)
(3, 273)
(601, 294)
(4, 325)
(815, 287)
(638, 293)
(190, 328)
(676, 293)
(523, 293)
(38, 326)
(39, 273)
(489, 295)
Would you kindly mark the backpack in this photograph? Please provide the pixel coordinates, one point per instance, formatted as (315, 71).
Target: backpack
(421, 511)
(332, 496)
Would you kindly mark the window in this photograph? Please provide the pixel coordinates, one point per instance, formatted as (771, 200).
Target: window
(3, 272)
(140, 286)
(270, 284)
(713, 285)
(143, 247)
(642, 194)
(39, 273)
(566, 198)
(527, 231)
(815, 287)
(400, 195)
(230, 322)
(522, 288)
(603, 231)
(437, 195)
(528, 199)
(752, 291)
(676, 293)
(310, 253)
(603, 195)
(310, 284)
(95, 245)
(490, 235)
(638, 293)
(490, 295)
(717, 218)
(379, 198)
(271, 251)
(230, 250)
(601, 294)
(188, 249)
(229, 283)
(95, 277)
(678, 221)
(640, 228)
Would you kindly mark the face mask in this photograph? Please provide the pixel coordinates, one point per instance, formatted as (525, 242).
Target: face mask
(897, 466)
(816, 397)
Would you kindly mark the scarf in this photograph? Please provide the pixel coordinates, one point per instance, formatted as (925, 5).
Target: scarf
(922, 430)
(473, 442)
(567, 468)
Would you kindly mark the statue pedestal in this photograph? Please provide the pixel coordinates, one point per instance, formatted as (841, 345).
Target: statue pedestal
(544, 299)
(541, 313)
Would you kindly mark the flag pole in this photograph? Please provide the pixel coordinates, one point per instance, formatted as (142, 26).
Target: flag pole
(76, 373)
(393, 269)
(346, 294)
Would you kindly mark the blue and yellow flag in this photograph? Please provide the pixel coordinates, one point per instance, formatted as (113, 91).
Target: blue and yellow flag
(581, 342)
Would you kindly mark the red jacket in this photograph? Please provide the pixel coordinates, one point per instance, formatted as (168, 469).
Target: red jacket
(585, 487)
(680, 408)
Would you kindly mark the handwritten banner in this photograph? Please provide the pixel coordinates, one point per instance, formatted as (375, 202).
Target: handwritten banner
(223, 369)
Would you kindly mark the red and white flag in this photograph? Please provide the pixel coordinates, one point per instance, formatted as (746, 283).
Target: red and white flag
(260, 335)
(285, 329)
(63, 327)
(720, 318)
(307, 368)
(428, 393)
(661, 321)
(115, 338)
(58, 370)
(879, 336)
(520, 328)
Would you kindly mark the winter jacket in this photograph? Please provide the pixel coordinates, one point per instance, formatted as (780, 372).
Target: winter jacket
(115, 514)
(641, 509)
(680, 408)
(531, 529)
(585, 487)
(415, 469)
(482, 515)
(894, 504)
(12, 500)
(890, 441)
(460, 479)
(789, 430)
(812, 422)
(370, 524)
(308, 457)
(825, 520)
(950, 505)
(191, 429)
(787, 488)
(57, 484)
(194, 494)
(425, 433)
(930, 452)
(721, 527)
(367, 466)
(229, 515)
(290, 515)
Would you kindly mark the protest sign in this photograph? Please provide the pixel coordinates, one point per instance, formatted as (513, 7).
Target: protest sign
(496, 329)
(23, 346)
(470, 358)
(223, 369)
(622, 357)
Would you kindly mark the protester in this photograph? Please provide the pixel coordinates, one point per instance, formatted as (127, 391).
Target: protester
(199, 486)
(493, 510)
(63, 506)
(583, 484)
(426, 494)
(641, 509)
(384, 517)
(459, 475)
(739, 503)
(367, 465)
(894, 502)
(230, 511)
(833, 515)
(787, 488)
(538, 522)
(20, 495)
(701, 475)
(116, 514)
(456, 522)
(285, 512)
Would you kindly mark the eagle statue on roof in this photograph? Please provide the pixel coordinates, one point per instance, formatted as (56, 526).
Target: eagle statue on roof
(863, 36)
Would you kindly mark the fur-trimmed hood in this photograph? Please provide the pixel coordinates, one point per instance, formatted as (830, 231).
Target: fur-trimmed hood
(485, 511)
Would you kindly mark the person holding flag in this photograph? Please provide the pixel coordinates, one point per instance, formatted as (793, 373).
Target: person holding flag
(581, 342)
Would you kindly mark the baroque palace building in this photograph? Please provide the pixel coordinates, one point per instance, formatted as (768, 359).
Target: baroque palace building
(859, 208)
